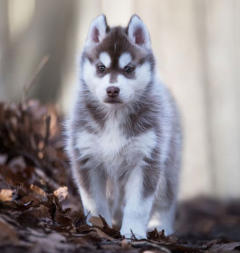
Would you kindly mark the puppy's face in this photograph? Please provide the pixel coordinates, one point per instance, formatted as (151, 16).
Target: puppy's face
(117, 64)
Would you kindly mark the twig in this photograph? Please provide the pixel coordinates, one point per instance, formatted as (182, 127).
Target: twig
(142, 244)
(29, 85)
(138, 244)
(133, 236)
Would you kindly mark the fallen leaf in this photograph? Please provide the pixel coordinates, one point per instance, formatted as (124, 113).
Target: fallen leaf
(61, 193)
(6, 195)
(37, 190)
(103, 235)
(96, 221)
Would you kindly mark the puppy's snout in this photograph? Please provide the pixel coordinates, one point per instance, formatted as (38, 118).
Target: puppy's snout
(113, 91)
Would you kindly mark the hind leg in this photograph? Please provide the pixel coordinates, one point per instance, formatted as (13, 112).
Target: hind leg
(163, 211)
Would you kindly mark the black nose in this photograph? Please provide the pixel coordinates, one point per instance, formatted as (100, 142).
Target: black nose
(113, 91)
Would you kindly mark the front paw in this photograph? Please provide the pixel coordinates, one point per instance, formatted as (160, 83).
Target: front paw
(131, 233)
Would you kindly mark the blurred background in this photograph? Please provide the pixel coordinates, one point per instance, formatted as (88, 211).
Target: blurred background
(197, 46)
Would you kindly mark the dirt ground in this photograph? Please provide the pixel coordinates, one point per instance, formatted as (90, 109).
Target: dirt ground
(41, 212)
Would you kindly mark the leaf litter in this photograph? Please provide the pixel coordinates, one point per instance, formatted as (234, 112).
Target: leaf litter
(40, 210)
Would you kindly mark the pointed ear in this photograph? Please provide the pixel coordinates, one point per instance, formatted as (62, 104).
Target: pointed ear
(97, 30)
(138, 33)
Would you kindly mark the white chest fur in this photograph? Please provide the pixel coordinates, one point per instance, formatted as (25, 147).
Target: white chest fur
(111, 140)
(111, 146)
(105, 147)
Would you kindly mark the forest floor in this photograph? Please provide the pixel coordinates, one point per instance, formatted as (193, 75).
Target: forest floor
(41, 212)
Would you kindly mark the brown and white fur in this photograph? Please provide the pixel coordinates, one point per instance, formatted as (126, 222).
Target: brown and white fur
(123, 133)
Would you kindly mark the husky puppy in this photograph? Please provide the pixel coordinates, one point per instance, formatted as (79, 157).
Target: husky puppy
(123, 133)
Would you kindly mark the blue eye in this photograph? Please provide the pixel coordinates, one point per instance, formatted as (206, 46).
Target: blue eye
(128, 69)
(101, 68)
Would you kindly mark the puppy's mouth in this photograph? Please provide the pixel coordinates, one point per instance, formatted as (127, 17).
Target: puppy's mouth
(112, 100)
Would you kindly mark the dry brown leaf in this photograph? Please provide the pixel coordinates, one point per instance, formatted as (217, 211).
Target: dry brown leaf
(32, 216)
(38, 190)
(61, 193)
(96, 221)
(102, 235)
(83, 242)
(6, 195)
